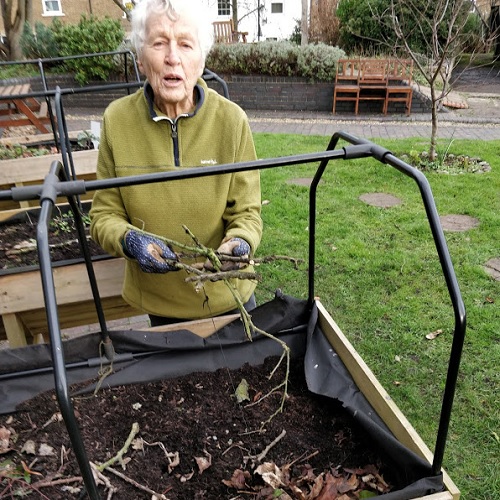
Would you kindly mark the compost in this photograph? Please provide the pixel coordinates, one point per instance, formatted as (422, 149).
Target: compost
(18, 246)
(200, 437)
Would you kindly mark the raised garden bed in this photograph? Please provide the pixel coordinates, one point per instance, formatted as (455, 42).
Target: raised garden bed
(22, 303)
(333, 440)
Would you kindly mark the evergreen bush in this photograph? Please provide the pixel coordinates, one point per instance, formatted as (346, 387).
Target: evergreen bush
(316, 62)
(39, 43)
(90, 35)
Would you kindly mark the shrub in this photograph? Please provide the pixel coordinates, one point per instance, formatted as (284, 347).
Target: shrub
(319, 62)
(90, 35)
(316, 62)
(38, 44)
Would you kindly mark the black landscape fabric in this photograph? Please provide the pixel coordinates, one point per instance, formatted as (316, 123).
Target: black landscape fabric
(143, 356)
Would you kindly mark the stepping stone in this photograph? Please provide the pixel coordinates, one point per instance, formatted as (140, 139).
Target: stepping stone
(492, 267)
(457, 223)
(301, 181)
(382, 200)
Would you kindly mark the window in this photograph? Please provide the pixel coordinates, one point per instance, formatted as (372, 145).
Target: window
(223, 7)
(52, 7)
(276, 8)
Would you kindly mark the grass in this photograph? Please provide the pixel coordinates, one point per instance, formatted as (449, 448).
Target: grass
(378, 274)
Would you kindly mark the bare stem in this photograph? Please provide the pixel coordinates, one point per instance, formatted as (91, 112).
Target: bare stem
(118, 457)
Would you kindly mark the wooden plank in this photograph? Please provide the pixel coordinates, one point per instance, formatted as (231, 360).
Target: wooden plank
(23, 291)
(376, 395)
(201, 327)
(17, 332)
(36, 168)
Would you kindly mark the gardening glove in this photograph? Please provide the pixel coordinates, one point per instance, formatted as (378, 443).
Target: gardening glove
(237, 247)
(148, 251)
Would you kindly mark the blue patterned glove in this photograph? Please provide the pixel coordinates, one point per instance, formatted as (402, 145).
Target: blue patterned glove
(148, 252)
(237, 247)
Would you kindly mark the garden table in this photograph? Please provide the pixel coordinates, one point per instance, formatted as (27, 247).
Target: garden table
(18, 108)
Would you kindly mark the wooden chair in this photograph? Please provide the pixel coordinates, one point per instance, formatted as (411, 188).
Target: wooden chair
(225, 33)
(347, 83)
(399, 88)
(373, 80)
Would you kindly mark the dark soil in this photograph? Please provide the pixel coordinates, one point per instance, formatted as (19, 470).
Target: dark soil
(197, 419)
(18, 240)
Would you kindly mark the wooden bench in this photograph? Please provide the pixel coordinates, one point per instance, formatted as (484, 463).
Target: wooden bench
(383, 80)
(224, 32)
(16, 111)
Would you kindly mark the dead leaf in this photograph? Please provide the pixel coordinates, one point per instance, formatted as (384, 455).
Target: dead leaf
(4, 440)
(317, 486)
(490, 300)
(29, 447)
(238, 479)
(46, 450)
(270, 474)
(203, 463)
(433, 335)
(241, 392)
(138, 444)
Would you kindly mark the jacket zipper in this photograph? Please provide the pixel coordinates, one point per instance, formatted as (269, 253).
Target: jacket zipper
(175, 140)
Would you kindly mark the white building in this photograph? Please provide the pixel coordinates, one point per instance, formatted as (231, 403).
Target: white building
(277, 18)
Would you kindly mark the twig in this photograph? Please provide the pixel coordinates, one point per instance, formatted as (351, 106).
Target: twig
(266, 450)
(104, 480)
(119, 455)
(141, 487)
(223, 275)
(56, 482)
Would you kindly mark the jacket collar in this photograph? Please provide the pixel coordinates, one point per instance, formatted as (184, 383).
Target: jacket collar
(149, 96)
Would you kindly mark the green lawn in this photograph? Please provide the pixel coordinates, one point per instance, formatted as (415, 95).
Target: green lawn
(378, 274)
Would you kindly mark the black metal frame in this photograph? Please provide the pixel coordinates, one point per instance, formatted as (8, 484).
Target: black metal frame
(47, 93)
(60, 182)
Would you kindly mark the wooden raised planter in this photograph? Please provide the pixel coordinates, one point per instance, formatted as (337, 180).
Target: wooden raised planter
(28, 171)
(21, 299)
(22, 305)
(380, 399)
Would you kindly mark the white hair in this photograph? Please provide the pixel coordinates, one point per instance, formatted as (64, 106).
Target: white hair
(174, 9)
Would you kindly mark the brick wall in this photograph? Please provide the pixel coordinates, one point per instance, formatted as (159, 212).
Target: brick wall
(251, 92)
(298, 94)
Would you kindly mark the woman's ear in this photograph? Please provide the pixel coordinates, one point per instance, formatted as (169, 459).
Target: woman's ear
(140, 66)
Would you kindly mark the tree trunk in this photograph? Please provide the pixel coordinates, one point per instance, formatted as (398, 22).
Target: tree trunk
(234, 8)
(434, 123)
(304, 23)
(15, 13)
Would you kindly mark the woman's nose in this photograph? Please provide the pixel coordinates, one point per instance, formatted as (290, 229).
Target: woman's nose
(172, 55)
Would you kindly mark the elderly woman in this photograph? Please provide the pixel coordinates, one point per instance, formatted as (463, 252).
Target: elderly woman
(175, 122)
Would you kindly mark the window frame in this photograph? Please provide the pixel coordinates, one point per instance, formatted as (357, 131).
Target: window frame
(46, 12)
(223, 7)
(277, 3)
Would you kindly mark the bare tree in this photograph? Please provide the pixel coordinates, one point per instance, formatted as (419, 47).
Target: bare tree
(14, 14)
(439, 24)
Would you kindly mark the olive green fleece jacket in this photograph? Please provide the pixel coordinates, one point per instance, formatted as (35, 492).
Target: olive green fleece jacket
(137, 139)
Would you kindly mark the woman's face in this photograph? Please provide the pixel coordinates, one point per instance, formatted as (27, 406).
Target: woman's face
(172, 61)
